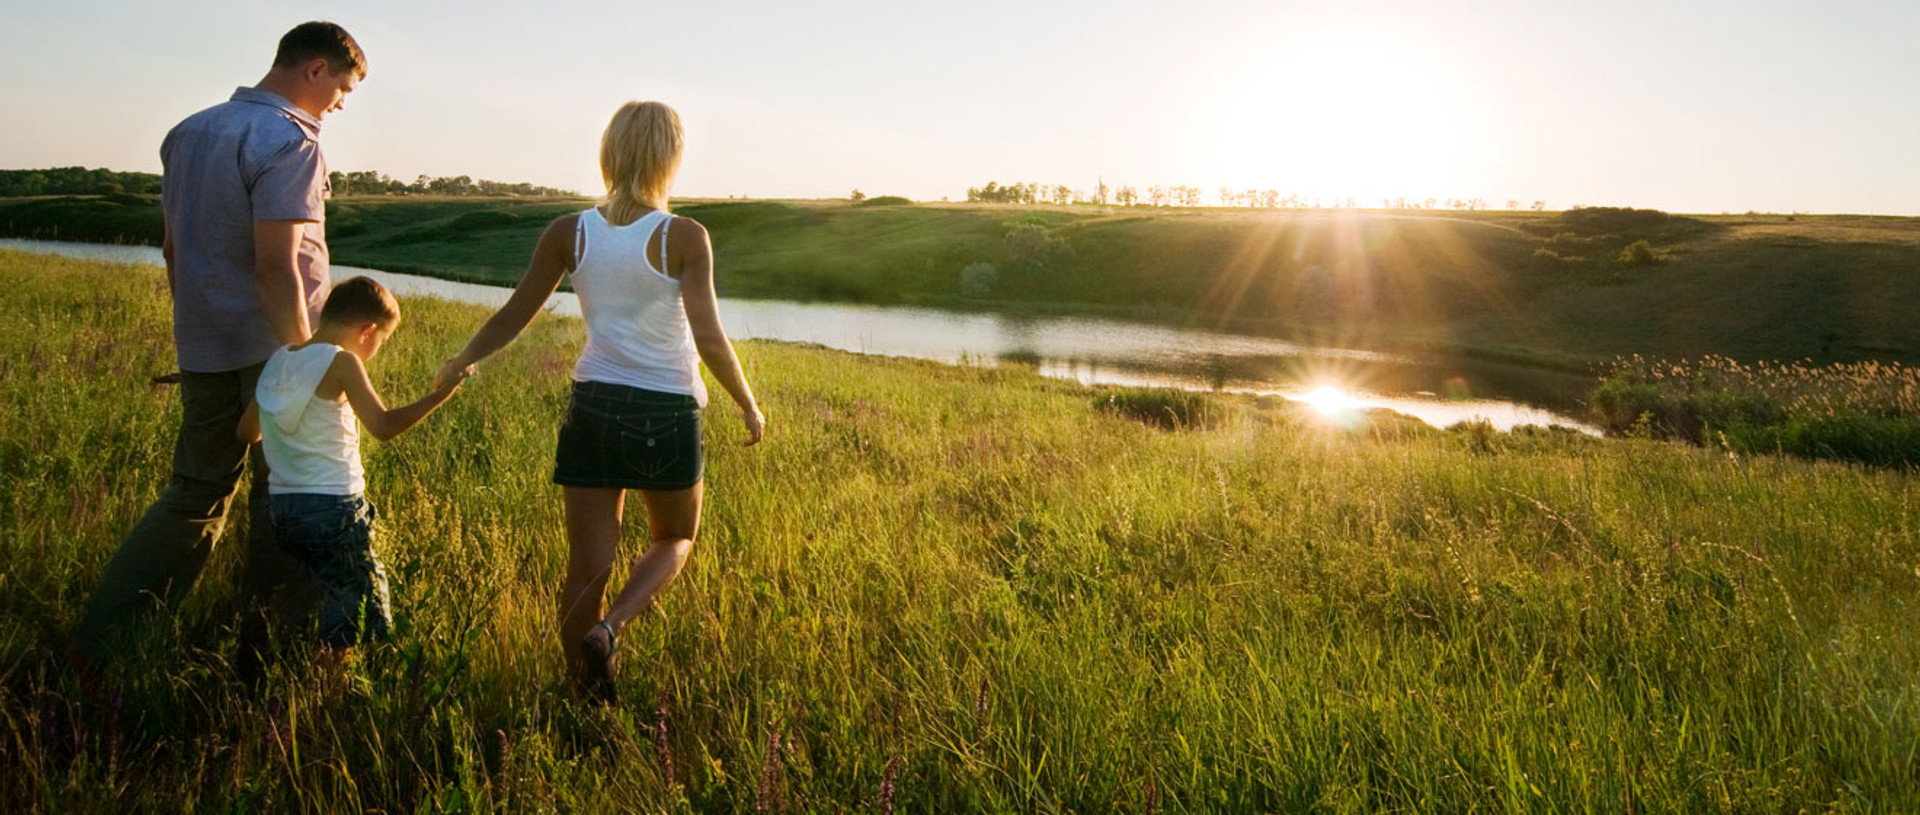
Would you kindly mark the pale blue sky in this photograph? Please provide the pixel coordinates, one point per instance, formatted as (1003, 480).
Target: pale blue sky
(1686, 105)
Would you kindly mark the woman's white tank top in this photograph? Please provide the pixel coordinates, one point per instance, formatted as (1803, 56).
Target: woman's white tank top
(637, 332)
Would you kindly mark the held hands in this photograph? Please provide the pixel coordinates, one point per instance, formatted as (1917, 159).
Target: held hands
(451, 375)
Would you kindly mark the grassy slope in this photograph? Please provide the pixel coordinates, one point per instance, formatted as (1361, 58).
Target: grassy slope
(1011, 600)
(1828, 288)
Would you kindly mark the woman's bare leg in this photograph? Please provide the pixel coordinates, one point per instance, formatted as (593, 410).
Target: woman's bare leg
(593, 535)
(673, 518)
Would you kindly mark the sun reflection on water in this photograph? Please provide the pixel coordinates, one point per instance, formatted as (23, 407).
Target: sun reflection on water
(1329, 400)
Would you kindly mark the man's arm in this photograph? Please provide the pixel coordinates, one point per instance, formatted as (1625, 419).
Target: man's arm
(166, 248)
(276, 270)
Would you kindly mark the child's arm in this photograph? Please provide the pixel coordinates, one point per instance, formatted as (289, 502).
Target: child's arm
(249, 429)
(384, 423)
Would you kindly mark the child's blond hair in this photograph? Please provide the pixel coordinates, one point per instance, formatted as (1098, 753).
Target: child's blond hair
(360, 300)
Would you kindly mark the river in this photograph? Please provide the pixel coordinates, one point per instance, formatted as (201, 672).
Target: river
(1439, 391)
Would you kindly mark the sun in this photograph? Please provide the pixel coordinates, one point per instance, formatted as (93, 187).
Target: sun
(1336, 115)
(1328, 400)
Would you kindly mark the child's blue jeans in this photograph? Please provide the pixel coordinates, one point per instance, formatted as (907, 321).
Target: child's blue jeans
(331, 538)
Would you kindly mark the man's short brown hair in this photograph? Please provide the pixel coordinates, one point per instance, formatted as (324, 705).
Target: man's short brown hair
(321, 40)
(359, 300)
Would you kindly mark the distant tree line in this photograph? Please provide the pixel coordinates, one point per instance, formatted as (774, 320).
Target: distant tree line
(1177, 195)
(368, 182)
(101, 181)
(993, 193)
(75, 181)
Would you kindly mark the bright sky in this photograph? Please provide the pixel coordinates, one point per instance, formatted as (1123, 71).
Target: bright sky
(1692, 106)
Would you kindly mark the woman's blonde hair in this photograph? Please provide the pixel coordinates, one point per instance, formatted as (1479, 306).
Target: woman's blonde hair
(639, 154)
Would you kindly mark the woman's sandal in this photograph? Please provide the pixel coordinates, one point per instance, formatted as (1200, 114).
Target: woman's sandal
(599, 662)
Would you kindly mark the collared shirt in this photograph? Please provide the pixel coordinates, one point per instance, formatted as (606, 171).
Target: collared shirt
(255, 157)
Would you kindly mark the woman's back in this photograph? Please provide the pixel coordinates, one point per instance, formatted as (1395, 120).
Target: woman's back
(637, 331)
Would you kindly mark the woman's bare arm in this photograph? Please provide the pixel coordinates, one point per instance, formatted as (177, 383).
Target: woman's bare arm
(692, 252)
(552, 259)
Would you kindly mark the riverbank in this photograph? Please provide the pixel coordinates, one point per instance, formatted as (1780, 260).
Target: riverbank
(964, 589)
(1439, 390)
(1559, 290)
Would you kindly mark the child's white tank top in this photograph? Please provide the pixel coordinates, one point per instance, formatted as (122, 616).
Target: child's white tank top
(312, 445)
(637, 332)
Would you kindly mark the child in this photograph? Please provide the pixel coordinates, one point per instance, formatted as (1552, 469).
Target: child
(303, 415)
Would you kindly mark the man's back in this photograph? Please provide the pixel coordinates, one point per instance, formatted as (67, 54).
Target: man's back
(253, 158)
(244, 190)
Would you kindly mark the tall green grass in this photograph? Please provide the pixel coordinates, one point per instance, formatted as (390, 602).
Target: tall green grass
(962, 589)
(1867, 412)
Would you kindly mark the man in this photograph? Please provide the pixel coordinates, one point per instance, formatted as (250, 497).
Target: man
(243, 194)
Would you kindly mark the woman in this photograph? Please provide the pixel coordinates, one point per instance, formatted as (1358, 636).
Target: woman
(645, 281)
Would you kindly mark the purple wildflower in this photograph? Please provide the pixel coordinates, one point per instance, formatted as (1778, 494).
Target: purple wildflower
(113, 725)
(768, 771)
(660, 739)
(980, 713)
(886, 785)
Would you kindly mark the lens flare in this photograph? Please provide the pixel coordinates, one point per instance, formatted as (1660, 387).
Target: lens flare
(1328, 400)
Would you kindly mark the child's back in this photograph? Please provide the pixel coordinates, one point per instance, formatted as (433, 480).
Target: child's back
(312, 444)
(308, 407)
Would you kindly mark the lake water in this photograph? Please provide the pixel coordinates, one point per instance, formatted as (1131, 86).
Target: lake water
(1439, 391)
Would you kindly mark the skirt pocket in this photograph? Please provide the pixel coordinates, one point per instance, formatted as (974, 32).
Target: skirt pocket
(654, 446)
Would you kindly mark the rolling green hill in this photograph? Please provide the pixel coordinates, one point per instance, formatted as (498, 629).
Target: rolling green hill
(1562, 288)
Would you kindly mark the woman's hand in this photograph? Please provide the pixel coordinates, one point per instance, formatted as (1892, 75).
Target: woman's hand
(756, 424)
(452, 373)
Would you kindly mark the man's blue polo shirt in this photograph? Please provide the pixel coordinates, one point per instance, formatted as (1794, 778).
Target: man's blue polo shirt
(255, 157)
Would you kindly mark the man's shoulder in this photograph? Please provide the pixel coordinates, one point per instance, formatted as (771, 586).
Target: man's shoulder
(199, 125)
(243, 120)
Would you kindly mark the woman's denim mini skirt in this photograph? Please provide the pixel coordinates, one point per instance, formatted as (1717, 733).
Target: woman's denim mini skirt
(621, 436)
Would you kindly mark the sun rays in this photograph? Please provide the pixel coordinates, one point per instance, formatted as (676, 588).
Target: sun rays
(1341, 114)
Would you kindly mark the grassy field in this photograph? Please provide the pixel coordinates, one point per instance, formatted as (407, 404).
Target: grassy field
(1568, 289)
(1867, 412)
(959, 589)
